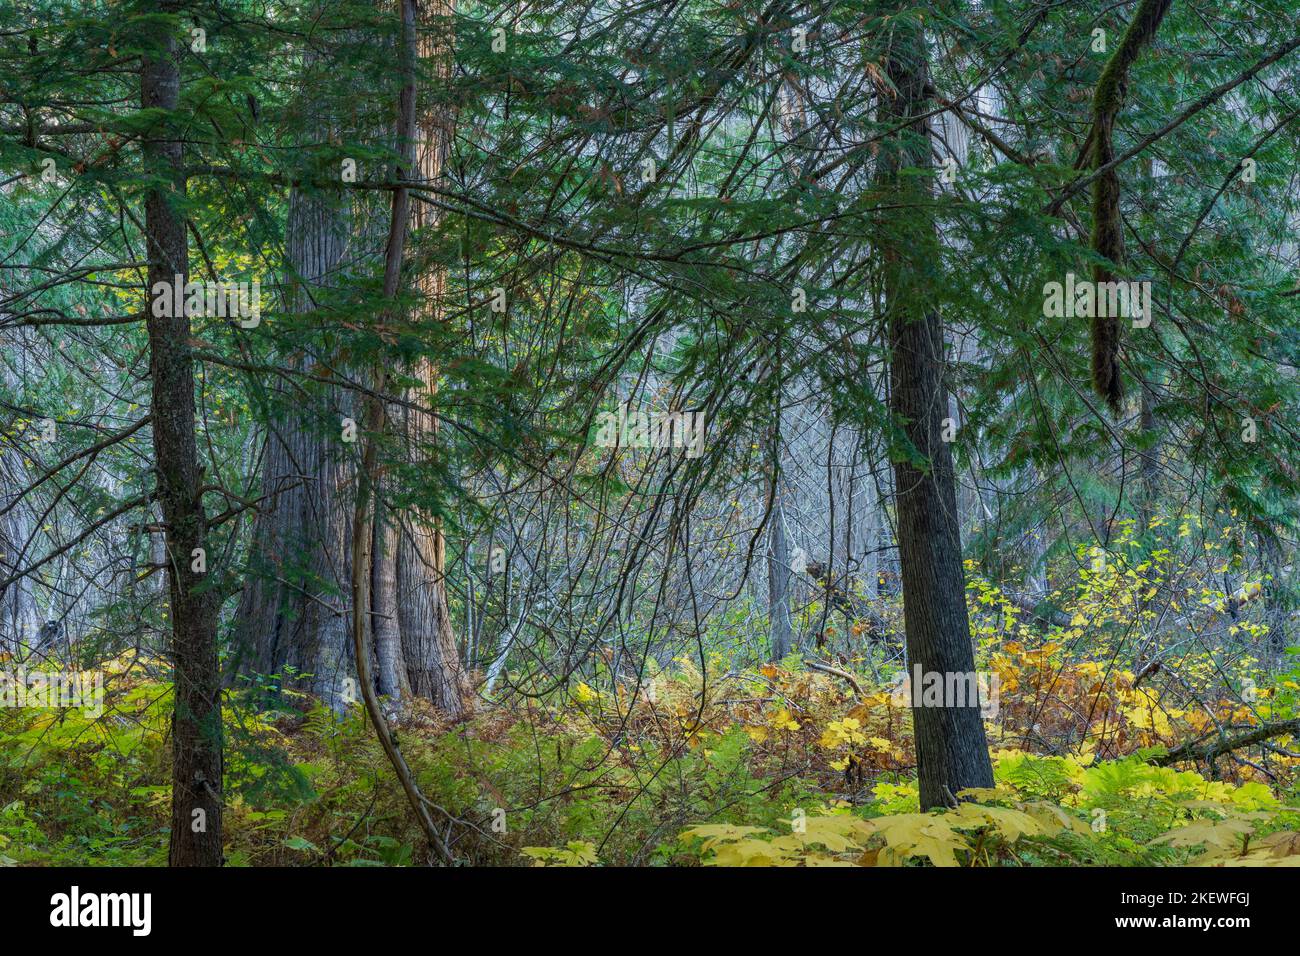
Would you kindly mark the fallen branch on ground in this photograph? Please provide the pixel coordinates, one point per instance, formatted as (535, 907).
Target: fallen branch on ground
(1213, 751)
(835, 672)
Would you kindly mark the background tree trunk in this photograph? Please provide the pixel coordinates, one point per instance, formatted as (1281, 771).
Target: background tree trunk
(386, 596)
(19, 617)
(781, 629)
(291, 612)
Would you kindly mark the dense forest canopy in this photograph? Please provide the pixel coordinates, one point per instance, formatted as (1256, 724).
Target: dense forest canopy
(685, 432)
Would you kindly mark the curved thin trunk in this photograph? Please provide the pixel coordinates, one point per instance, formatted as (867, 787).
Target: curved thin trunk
(373, 421)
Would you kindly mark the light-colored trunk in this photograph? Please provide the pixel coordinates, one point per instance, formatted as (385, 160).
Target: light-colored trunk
(393, 682)
(780, 626)
(428, 641)
(19, 618)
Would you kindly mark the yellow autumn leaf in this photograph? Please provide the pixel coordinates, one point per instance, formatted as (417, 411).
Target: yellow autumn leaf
(782, 720)
(836, 833)
(1013, 824)
(715, 833)
(920, 834)
(1219, 834)
(748, 853)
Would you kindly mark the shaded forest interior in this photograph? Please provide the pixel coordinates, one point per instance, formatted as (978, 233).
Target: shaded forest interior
(692, 433)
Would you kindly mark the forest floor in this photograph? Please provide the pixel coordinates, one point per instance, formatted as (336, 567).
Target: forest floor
(776, 765)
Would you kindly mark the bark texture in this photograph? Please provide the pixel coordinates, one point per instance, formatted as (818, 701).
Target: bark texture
(291, 612)
(952, 751)
(196, 720)
(1107, 226)
(427, 641)
(780, 625)
(374, 421)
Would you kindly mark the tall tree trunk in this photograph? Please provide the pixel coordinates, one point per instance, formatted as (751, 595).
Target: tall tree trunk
(1036, 539)
(780, 627)
(19, 620)
(20, 623)
(1149, 468)
(392, 679)
(1107, 226)
(196, 720)
(428, 641)
(952, 751)
(291, 613)
(373, 423)
(870, 520)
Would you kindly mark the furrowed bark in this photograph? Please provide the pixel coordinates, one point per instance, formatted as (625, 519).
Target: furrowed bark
(290, 613)
(428, 642)
(373, 422)
(196, 720)
(952, 750)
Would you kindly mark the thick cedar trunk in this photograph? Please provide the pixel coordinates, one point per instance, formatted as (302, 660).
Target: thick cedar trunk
(291, 612)
(373, 423)
(952, 751)
(385, 625)
(196, 721)
(428, 642)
